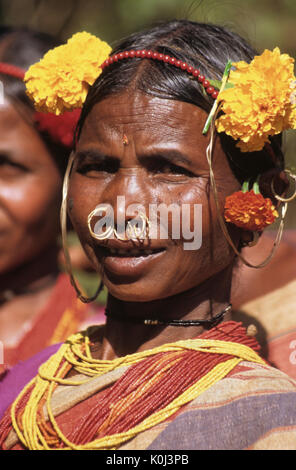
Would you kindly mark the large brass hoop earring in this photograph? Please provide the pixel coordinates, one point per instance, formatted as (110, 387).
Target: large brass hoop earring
(110, 229)
(280, 198)
(209, 153)
(63, 221)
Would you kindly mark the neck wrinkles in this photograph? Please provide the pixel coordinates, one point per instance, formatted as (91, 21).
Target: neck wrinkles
(200, 303)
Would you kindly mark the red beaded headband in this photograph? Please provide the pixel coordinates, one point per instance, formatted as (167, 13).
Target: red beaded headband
(12, 70)
(144, 54)
(60, 128)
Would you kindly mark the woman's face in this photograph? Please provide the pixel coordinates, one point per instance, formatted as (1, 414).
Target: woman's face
(30, 188)
(142, 150)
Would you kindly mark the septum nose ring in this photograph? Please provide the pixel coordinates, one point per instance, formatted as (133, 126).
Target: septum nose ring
(137, 228)
(137, 231)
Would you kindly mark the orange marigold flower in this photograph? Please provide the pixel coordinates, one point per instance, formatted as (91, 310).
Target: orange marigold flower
(262, 101)
(249, 211)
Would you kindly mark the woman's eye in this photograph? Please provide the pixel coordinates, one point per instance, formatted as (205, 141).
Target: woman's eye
(9, 167)
(176, 170)
(88, 168)
(171, 169)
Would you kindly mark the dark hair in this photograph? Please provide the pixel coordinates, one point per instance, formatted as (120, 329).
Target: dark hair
(204, 46)
(23, 47)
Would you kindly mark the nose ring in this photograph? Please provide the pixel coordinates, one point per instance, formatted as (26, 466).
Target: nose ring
(109, 228)
(134, 230)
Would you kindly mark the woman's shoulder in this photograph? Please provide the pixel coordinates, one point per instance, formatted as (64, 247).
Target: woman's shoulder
(13, 380)
(254, 407)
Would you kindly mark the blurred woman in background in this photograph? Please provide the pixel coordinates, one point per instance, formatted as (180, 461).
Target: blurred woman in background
(38, 306)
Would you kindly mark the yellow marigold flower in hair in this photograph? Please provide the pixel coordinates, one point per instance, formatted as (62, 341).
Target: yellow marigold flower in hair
(61, 79)
(262, 101)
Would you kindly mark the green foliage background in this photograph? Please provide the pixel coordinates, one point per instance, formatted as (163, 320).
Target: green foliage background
(266, 23)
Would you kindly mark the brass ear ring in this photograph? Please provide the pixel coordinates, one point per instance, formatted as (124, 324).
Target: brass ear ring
(63, 220)
(256, 237)
(209, 154)
(280, 198)
(109, 230)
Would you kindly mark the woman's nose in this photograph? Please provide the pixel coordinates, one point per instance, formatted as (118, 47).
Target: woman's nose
(128, 194)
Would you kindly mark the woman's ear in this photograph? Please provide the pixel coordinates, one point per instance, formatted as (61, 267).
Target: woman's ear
(249, 238)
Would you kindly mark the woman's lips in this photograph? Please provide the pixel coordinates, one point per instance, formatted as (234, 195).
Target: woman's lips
(128, 261)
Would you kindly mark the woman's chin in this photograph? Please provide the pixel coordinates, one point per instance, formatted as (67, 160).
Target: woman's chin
(135, 291)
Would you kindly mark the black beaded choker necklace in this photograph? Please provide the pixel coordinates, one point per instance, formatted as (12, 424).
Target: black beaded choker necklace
(207, 323)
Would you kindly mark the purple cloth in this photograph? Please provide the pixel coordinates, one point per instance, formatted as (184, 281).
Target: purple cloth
(18, 376)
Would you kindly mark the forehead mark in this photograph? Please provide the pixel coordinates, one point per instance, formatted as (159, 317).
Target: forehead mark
(146, 115)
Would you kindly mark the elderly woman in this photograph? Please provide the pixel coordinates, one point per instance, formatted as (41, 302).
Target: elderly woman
(170, 369)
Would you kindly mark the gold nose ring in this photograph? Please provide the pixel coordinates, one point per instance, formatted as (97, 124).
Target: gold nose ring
(138, 232)
(132, 231)
(109, 228)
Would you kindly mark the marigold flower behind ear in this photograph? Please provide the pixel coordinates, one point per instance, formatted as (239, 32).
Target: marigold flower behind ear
(249, 210)
(261, 103)
(60, 81)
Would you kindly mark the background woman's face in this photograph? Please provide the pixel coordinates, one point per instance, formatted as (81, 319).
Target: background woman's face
(30, 188)
(151, 151)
